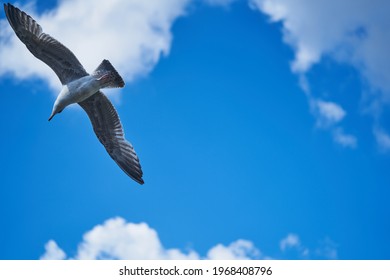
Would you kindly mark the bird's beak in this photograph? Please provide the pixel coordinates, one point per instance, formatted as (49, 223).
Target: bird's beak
(51, 116)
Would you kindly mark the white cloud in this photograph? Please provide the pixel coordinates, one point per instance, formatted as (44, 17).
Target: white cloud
(382, 138)
(325, 249)
(344, 139)
(328, 113)
(118, 239)
(290, 241)
(354, 32)
(240, 249)
(131, 34)
(53, 252)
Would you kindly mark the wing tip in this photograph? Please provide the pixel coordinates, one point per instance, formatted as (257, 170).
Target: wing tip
(140, 181)
(136, 177)
(131, 170)
(8, 7)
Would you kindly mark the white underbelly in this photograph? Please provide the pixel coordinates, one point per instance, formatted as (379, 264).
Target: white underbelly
(76, 91)
(81, 89)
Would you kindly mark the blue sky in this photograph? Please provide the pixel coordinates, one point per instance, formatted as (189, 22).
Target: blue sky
(260, 136)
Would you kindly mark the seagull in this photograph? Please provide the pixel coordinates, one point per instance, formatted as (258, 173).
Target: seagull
(80, 87)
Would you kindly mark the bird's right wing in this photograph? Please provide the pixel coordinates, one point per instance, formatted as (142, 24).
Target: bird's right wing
(58, 57)
(108, 129)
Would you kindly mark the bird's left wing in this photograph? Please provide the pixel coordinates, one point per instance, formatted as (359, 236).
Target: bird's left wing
(58, 57)
(108, 129)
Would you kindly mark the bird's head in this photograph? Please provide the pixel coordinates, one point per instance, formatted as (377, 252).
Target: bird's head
(57, 108)
(61, 102)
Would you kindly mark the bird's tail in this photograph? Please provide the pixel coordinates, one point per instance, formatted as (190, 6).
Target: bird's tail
(108, 76)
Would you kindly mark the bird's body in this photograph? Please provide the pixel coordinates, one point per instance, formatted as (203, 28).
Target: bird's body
(78, 90)
(75, 92)
(80, 87)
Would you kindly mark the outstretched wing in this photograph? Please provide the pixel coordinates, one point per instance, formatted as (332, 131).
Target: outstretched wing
(108, 129)
(58, 57)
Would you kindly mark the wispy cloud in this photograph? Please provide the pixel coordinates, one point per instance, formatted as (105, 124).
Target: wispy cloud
(325, 249)
(240, 249)
(327, 113)
(290, 241)
(382, 138)
(118, 239)
(223, 3)
(132, 34)
(351, 32)
(344, 139)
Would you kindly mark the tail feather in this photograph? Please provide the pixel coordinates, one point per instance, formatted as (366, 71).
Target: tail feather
(108, 76)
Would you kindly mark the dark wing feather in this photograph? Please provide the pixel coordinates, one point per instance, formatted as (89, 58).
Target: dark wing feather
(108, 129)
(58, 57)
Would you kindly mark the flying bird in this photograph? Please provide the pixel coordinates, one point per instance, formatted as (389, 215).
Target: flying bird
(80, 87)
